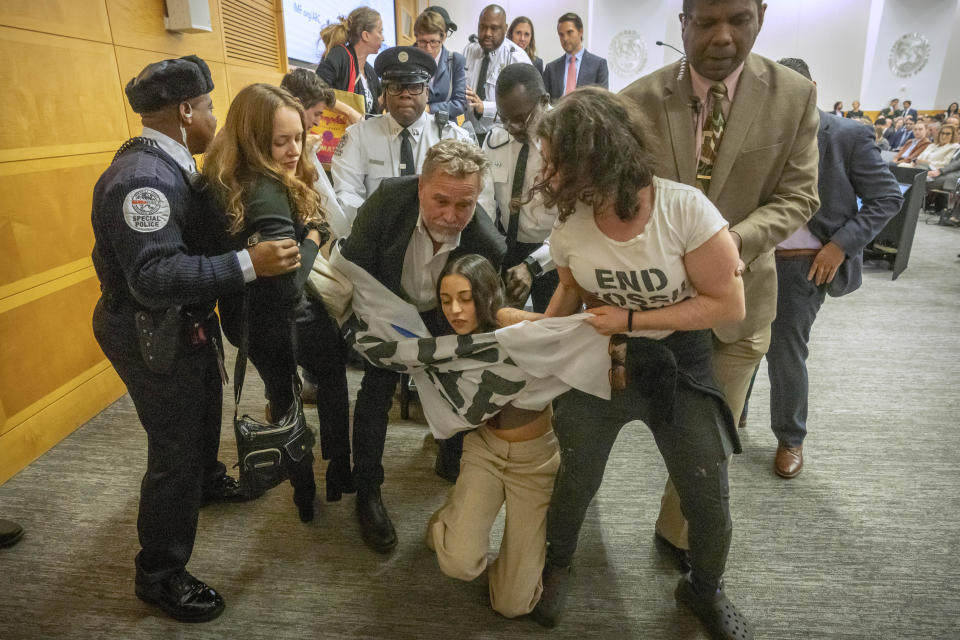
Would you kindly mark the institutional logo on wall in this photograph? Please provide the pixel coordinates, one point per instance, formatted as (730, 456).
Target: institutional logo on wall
(909, 54)
(627, 54)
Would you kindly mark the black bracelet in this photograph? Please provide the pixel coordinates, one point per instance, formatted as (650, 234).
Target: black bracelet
(630, 320)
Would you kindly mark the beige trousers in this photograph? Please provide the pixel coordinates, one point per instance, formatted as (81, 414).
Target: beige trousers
(733, 367)
(493, 471)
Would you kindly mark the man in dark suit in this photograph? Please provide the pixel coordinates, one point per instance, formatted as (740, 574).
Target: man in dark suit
(823, 256)
(403, 236)
(908, 110)
(577, 67)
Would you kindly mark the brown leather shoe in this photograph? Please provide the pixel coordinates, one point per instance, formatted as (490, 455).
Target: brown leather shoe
(789, 461)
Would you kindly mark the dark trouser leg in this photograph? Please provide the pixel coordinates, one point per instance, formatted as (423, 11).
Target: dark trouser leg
(695, 450)
(798, 301)
(176, 410)
(542, 290)
(322, 353)
(370, 418)
(586, 428)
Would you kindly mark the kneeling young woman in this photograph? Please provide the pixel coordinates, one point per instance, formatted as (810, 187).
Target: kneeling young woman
(512, 458)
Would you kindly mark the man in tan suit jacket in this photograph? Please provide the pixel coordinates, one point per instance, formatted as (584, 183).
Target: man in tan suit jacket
(764, 177)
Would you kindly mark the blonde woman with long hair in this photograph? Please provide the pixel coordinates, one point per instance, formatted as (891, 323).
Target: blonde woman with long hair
(257, 179)
(348, 42)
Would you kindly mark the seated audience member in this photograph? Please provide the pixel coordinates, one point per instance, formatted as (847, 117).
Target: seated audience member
(892, 110)
(258, 179)
(616, 217)
(577, 67)
(939, 153)
(908, 109)
(526, 222)
(954, 120)
(521, 32)
(897, 134)
(882, 142)
(855, 111)
(952, 110)
(837, 109)
(448, 86)
(945, 178)
(867, 121)
(912, 148)
(511, 458)
(348, 43)
(395, 143)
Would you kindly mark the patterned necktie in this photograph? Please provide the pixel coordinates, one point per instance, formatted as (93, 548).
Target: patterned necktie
(482, 78)
(712, 133)
(407, 166)
(516, 193)
(571, 76)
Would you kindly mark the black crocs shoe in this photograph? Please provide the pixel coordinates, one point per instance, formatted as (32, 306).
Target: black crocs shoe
(717, 613)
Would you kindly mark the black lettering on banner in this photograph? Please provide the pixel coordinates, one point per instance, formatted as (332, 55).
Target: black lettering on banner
(449, 380)
(604, 278)
(659, 299)
(638, 300)
(490, 384)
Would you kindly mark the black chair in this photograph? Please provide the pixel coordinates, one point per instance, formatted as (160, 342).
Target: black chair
(894, 242)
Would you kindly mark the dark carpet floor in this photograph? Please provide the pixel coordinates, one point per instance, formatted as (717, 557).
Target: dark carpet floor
(863, 544)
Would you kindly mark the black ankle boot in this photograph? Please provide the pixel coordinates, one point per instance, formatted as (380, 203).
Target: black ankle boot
(375, 526)
(339, 479)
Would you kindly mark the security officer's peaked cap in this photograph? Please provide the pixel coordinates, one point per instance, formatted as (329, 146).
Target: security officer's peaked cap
(405, 64)
(168, 82)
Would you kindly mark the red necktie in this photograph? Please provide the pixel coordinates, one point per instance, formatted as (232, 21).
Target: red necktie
(571, 76)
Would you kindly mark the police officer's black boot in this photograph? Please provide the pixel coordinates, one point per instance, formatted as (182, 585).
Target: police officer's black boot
(182, 597)
(375, 526)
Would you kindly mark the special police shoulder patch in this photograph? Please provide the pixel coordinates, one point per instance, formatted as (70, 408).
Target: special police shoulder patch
(146, 209)
(340, 145)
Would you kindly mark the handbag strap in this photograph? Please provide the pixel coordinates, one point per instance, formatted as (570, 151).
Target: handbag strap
(450, 72)
(352, 82)
(240, 367)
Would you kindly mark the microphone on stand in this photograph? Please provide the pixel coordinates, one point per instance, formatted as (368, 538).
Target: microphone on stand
(661, 43)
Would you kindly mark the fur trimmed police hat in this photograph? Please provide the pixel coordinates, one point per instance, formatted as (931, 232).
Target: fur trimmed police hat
(168, 82)
(405, 64)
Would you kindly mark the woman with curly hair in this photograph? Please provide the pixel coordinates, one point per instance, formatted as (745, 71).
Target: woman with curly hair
(258, 178)
(654, 262)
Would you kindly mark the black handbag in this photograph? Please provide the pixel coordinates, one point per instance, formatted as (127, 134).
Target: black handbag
(266, 451)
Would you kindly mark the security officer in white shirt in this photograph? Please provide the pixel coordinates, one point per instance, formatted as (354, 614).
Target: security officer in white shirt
(514, 154)
(486, 58)
(396, 143)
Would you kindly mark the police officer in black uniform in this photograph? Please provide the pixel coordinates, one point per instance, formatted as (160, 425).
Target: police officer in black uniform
(155, 321)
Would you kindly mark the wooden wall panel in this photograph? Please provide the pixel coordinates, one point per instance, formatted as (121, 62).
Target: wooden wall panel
(45, 214)
(240, 77)
(85, 19)
(132, 61)
(30, 439)
(139, 24)
(60, 96)
(46, 343)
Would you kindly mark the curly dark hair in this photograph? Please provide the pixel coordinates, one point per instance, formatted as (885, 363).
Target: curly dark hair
(484, 285)
(307, 87)
(598, 153)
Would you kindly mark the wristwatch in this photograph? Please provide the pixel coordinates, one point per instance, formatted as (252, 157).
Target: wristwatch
(533, 266)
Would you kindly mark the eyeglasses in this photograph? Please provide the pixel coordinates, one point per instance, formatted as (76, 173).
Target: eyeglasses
(429, 44)
(517, 125)
(413, 88)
